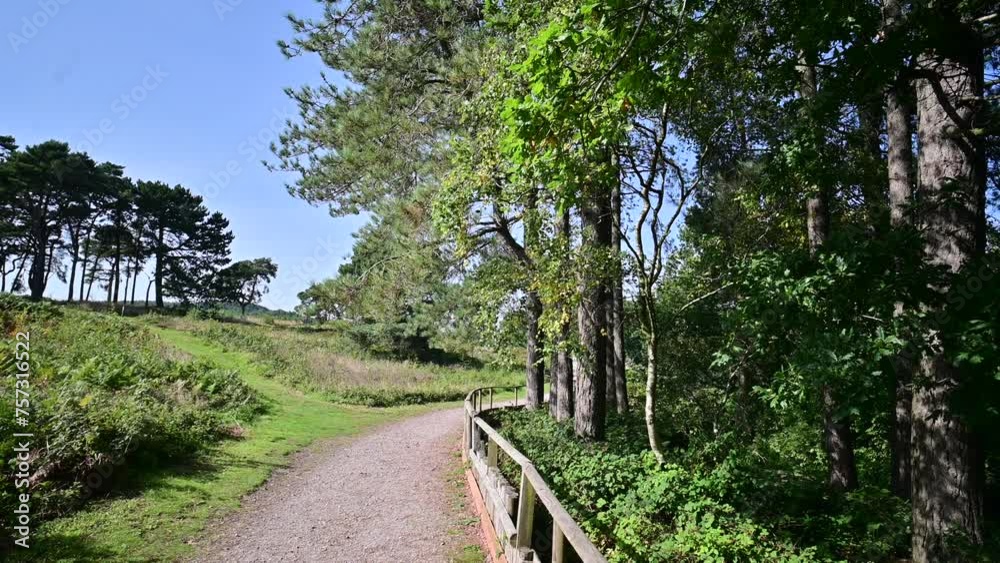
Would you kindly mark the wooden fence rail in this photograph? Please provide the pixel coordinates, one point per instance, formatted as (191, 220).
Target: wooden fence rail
(512, 511)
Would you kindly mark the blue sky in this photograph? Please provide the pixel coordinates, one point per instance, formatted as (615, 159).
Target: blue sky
(187, 92)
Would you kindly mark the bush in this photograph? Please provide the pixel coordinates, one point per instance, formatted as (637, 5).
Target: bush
(205, 313)
(741, 507)
(104, 395)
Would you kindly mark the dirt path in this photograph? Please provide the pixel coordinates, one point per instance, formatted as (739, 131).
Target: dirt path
(381, 497)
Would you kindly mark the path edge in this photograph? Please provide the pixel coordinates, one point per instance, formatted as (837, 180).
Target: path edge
(493, 551)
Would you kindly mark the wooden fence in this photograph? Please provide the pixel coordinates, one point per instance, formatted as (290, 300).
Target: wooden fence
(512, 511)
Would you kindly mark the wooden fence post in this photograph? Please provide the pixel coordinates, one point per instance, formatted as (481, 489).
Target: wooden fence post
(475, 439)
(491, 453)
(558, 544)
(512, 513)
(465, 435)
(525, 513)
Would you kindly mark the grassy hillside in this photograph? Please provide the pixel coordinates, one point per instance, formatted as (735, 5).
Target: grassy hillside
(331, 363)
(106, 401)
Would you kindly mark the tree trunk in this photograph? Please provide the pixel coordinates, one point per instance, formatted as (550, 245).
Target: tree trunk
(837, 435)
(36, 275)
(839, 442)
(947, 464)
(83, 274)
(535, 365)
(535, 376)
(158, 271)
(74, 237)
(117, 279)
(900, 155)
(650, 410)
(873, 185)
(562, 392)
(16, 284)
(567, 392)
(609, 352)
(71, 285)
(614, 281)
(93, 276)
(900, 169)
(50, 262)
(116, 274)
(135, 280)
(554, 385)
(591, 390)
(128, 278)
(4, 272)
(111, 282)
(901, 427)
(84, 260)
(576, 370)
(618, 304)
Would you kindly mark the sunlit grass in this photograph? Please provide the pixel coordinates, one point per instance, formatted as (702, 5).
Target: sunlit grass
(155, 515)
(329, 363)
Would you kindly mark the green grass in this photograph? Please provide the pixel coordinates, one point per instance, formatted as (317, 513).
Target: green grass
(465, 526)
(155, 515)
(330, 363)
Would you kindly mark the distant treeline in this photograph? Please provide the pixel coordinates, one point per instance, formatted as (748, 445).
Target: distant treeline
(87, 224)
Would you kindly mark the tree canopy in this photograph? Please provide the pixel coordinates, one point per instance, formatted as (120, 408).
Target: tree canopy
(245, 282)
(770, 223)
(86, 222)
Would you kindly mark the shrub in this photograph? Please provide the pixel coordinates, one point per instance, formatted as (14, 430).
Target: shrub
(740, 507)
(103, 395)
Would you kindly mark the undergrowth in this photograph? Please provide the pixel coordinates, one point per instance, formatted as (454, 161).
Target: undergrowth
(742, 504)
(105, 400)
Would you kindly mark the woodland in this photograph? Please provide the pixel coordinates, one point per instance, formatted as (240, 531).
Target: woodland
(749, 246)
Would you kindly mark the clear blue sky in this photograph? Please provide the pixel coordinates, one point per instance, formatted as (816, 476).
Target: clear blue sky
(203, 83)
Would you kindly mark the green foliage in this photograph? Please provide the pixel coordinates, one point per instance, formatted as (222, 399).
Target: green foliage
(106, 402)
(727, 501)
(189, 242)
(754, 112)
(394, 290)
(244, 282)
(59, 204)
(637, 510)
(842, 305)
(384, 139)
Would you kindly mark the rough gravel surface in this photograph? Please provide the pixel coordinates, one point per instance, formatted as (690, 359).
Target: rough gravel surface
(381, 497)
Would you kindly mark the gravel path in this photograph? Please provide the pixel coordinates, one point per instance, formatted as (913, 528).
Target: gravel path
(381, 497)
